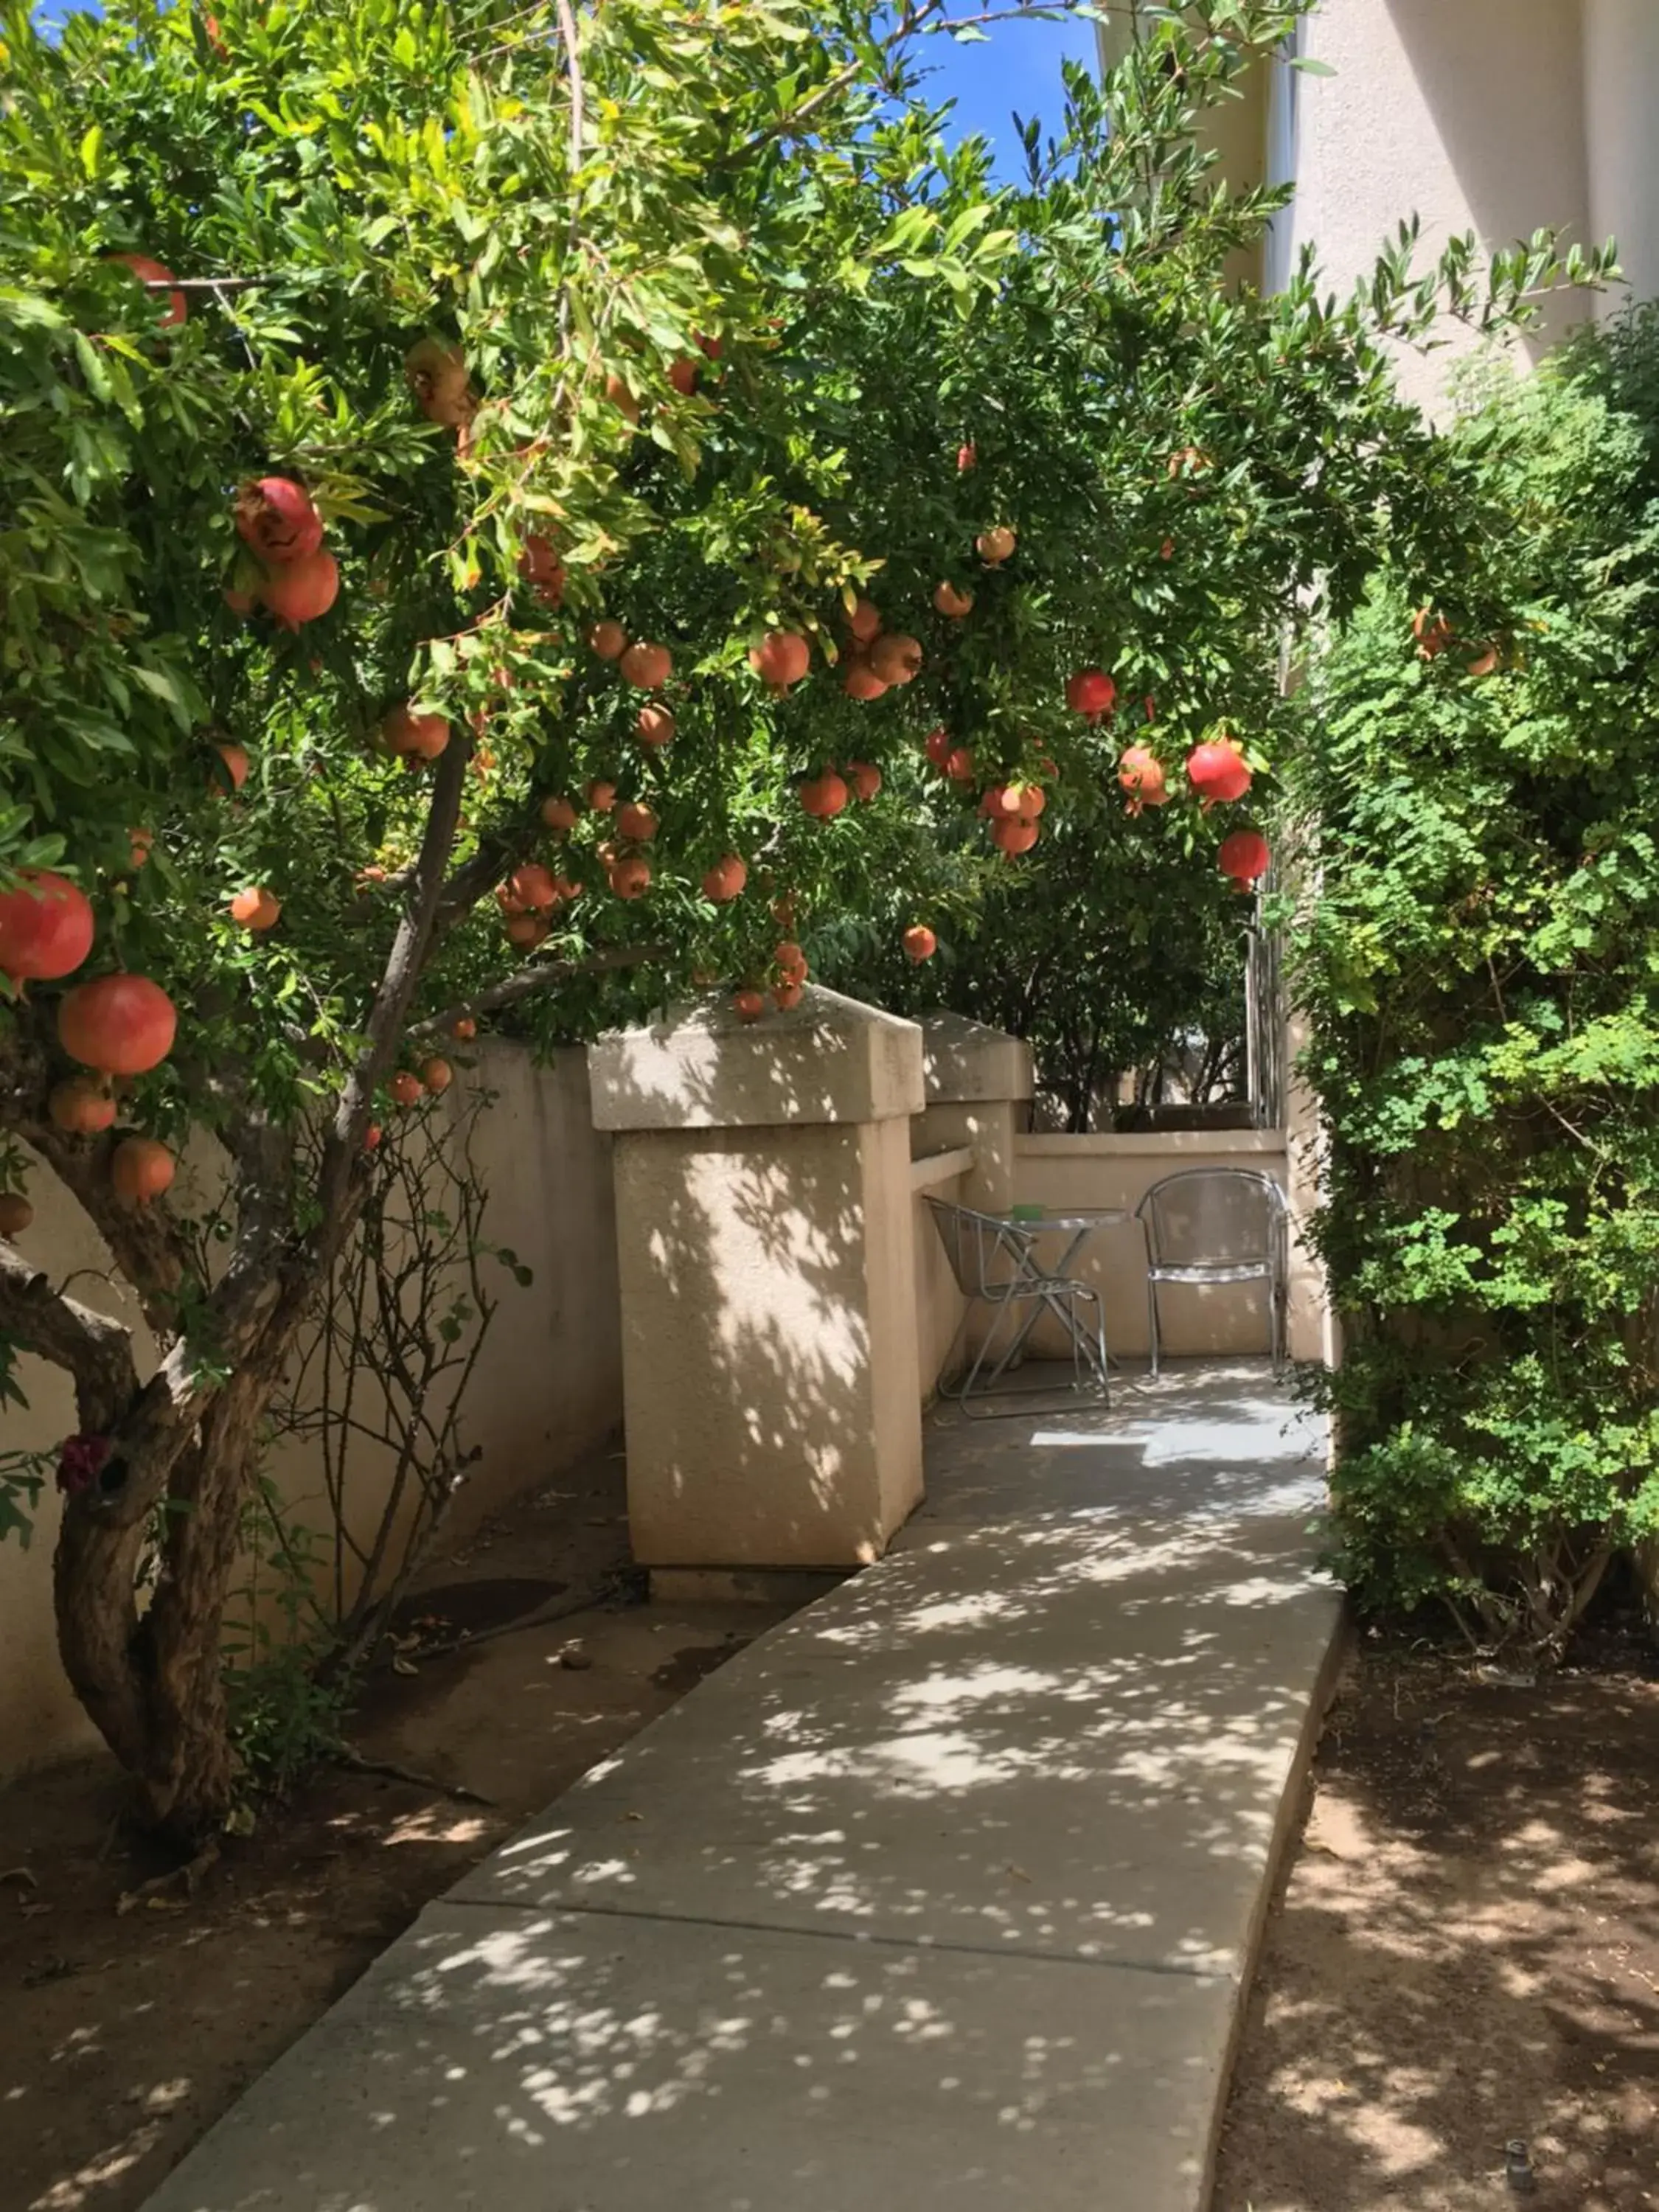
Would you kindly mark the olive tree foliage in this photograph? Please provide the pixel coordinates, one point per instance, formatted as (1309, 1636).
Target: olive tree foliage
(1480, 969)
(726, 309)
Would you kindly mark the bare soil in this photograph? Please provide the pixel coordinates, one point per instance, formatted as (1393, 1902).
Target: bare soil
(124, 2033)
(1466, 1951)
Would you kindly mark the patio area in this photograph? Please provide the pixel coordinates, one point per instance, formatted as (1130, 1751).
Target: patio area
(946, 1889)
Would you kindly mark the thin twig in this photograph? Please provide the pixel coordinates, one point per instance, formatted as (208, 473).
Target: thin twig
(344, 1755)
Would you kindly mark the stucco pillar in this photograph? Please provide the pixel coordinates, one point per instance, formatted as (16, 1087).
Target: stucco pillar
(979, 1084)
(1621, 96)
(770, 1384)
(1312, 1329)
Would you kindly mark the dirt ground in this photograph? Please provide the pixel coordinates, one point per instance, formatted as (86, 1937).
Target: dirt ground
(1466, 1952)
(124, 2034)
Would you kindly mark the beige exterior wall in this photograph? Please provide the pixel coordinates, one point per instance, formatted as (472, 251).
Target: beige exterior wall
(939, 1304)
(547, 1387)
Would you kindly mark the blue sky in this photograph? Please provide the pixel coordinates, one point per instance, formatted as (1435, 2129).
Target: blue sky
(1018, 68)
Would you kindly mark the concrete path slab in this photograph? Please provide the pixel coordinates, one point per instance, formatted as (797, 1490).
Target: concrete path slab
(948, 1888)
(578, 2063)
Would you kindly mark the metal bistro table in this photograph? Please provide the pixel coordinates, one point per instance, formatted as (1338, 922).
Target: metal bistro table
(994, 1259)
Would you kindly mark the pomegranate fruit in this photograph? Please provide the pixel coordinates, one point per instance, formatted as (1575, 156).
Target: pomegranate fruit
(683, 375)
(863, 621)
(559, 815)
(47, 928)
(860, 681)
(233, 761)
(140, 1168)
(155, 272)
(646, 667)
(637, 820)
(464, 1027)
(748, 1006)
(1091, 693)
(602, 797)
(15, 1213)
(405, 1089)
(895, 658)
(655, 726)
(120, 1025)
(823, 795)
(412, 735)
(1484, 662)
(528, 929)
(530, 890)
(608, 639)
(1432, 631)
(786, 994)
(951, 603)
(781, 659)
(865, 779)
(299, 591)
(995, 546)
(1187, 462)
(372, 1138)
(967, 457)
(920, 942)
(617, 392)
(788, 958)
(959, 764)
(256, 908)
(1245, 857)
(81, 1106)
(437, 377)
(725, 880)
(938, 747)
(1140, 773)
(631, 876)
(1217, 773)
(1014, 835)
(278, 519)
(139, 842)
(542, 569)
(437, 1075)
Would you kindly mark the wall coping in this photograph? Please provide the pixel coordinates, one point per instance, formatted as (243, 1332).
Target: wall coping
(965, 1060)
(935, 1168)
(829, 1058)
(1151, 1144)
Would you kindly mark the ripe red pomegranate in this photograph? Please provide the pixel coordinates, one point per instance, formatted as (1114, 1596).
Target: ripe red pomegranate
(256, 908)
(617, 392)
(47, 928)
(278, 519)
(865, 779)
(1166, 550)
(967, 457)
(1217, 773)
(140, 1168)
(959, 764)
(437, 377)
(788, 959)
(895, 658)
(81, 1106)
(951, 603)
(120, 1025)
(683, 375)
(528, 929)
(406, 1088)
(1014, 834)
(1091, 693)
(631, 876)
(464, 1027)
(637, 820)
(1140, 773)
(437, 1075)
(938, 747)
(299, 591)
(646, 667)
(15, 1213)
(233, 760)
(995, 546)
(372, 1138)
(1432, 631)
(655, 726)
(608, 639)
(139, 842)
(863, 621)
(419, 736)
(559, 815)
(748, 1006)
(787, 993)
(530, 890)
(823, 795)
(725, 880)
(1484, 662)
(861, 680)
(602, 797)
(781, 659)
(710, 349)
(920, 942)
(1244, 856)
(154, 272)
(542, 571)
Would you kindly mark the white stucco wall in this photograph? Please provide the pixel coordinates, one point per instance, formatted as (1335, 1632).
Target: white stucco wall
(1622, 88)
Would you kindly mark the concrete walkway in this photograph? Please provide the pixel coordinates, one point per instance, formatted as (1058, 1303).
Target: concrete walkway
(943, 1895)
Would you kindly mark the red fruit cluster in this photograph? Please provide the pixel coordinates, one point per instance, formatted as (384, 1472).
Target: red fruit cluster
(287, 569)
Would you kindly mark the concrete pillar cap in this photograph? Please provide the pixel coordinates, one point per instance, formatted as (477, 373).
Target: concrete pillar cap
(964, 1059)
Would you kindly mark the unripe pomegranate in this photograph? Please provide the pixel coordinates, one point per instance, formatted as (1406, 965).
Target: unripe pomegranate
(15, 1213)
(602, 797)
(256, 908)
(631, 876)
(234, 759)
(414, 736)
(951, 603)
(895, 658)
(725, 880)
(864, 778)
(301, 590)
(1140, 773)
(47, 928)
(863, 621)
(559, 815)
(637, 820)
(967, 458)
(81, 1106)
(1014, 835)
(647, 667)
(748, 1006)
(655, 726)
(920, 942)
(405, 1089)
(437, 377)
(437, 1075)
(1245, 857)
(1091, 693)
(781, 659)
(608, 639)
(995, 546)
(860, 681)
(823, 795)
(140, 1168)
(1217, 773)
(278, 519)
(120, 1025)
(154, 272)
(464, 1027)
(787, 994)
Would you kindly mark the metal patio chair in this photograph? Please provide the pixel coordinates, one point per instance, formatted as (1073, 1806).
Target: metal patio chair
(995, 1267)
(1214, 1227)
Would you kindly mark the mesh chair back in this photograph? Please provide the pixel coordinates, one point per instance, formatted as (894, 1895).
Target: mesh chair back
(984, 1253)
(1213, 1218)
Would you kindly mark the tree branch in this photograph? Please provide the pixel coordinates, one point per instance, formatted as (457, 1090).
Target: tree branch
(96, 1351)
(541, 976)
